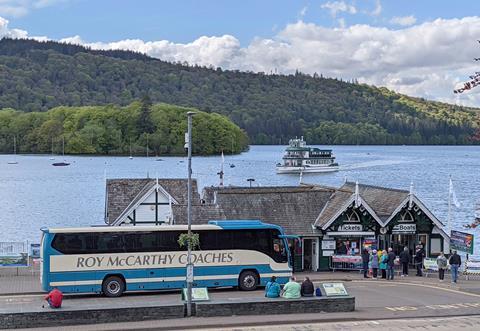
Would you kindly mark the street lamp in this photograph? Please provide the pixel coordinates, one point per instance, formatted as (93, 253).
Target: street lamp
(250, 180)
(188, 144)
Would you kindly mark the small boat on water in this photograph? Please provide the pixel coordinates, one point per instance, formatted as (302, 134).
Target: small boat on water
(300, 158)
(232, 165)
(14, 161)
(64, 163)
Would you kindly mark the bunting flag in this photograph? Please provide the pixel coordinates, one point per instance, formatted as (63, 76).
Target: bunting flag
(453, 196)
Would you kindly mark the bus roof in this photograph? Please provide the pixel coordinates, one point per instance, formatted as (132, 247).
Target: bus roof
(212, 225)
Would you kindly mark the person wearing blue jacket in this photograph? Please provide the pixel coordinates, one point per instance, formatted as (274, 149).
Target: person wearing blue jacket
(374, 263)
(272, 289)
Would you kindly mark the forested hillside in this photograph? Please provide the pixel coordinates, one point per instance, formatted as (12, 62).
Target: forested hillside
(36, 76)
(118, 130)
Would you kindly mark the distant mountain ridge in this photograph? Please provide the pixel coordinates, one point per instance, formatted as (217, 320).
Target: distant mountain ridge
(37, 76)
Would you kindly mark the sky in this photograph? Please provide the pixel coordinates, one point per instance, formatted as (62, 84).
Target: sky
(421, 48)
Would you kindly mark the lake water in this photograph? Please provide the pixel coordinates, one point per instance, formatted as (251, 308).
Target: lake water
(35, 194)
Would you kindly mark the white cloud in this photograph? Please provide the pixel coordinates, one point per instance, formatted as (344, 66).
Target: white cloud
(404, 20)
(424, 60)
(18, 8)
(339, 6)
(378, 8)
(303, 12)
(10, 33)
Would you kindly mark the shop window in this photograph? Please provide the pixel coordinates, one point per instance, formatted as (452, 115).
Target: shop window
(435, 246)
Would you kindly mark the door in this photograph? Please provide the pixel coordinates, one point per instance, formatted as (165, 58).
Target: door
(310, 254)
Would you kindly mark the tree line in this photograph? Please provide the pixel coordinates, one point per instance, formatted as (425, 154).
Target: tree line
(138, 128)
(37, 76)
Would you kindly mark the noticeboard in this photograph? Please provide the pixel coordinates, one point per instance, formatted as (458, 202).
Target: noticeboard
(334, 289)
(328, 244)
(14, 254)
(462, 241)
(198, 294)
(430, 264)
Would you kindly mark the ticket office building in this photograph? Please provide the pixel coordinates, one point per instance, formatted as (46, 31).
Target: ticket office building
(364, 216)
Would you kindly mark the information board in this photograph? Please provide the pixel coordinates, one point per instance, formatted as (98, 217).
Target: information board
(198, 294)
(430, 264)
(462, 241)
(334, 289)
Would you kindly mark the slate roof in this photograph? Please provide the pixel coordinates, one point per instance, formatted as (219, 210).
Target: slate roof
(382, 200)
(295, 208)
(122, 193)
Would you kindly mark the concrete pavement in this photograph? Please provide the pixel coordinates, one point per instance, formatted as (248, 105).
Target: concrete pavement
(28, 280)
(375, 300)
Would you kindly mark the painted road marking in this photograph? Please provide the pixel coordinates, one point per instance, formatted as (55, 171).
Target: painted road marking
(429, 286)
(437, 307)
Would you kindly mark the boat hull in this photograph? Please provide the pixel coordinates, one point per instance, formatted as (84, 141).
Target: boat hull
(305, 170)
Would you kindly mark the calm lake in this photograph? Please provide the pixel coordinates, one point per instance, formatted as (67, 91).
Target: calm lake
(34, 194)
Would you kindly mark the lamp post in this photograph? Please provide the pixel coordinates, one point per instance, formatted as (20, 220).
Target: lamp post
(189, 213)
(250, 180)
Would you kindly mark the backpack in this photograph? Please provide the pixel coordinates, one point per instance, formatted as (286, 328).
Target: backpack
(318, 292)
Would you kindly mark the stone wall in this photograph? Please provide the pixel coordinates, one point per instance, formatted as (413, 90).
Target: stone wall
(276, 306)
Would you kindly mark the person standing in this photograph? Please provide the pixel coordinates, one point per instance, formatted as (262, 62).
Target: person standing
(442, 265)
(390, 264)
(291, 290)
(365, 260)
(374, 263)
(405, 260)
(455, 262)
(383, 264)
(272, 289)
(307, 288)
(419, 261)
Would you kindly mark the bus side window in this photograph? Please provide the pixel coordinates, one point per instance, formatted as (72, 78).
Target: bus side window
(279, 251)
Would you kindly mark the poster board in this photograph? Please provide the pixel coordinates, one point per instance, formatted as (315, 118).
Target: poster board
(14, 254)
(328, 244)
(461, 241)
(430, 264)
(334, 289)
(198, 294)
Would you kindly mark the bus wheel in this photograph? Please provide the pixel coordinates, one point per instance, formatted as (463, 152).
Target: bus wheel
(248, 281)
(113, 286)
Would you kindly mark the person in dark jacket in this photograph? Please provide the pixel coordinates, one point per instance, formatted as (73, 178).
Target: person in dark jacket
(419, 261)
(307, 289)
(455, 262)
(390, 264)
(405, 260)
(365, 260)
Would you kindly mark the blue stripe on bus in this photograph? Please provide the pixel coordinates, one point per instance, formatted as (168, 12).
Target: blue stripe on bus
(160, 272)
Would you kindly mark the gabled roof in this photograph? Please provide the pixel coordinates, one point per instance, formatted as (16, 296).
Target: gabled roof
(294, 208)
(380, 202)
(123, 194)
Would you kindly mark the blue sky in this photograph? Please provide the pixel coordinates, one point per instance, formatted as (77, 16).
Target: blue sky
(186, 20)
(418, 47)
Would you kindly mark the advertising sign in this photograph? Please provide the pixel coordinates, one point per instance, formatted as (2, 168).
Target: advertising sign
(430, 264)
(404, 228)
(350, 228)
(328, 244)
(461, 241)
(13, 254)
(334, 289)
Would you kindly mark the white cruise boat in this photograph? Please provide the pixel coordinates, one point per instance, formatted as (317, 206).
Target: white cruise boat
(299, 158)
